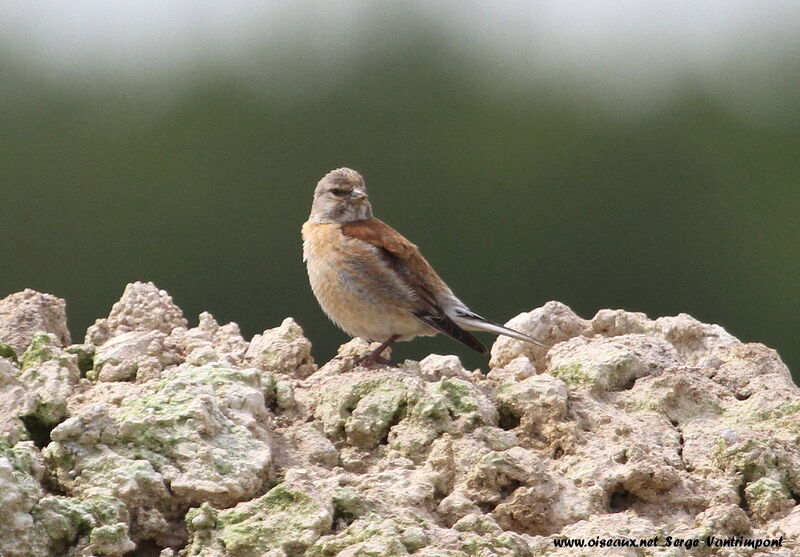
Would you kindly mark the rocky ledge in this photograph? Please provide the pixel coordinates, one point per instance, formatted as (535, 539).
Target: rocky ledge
(153, 438)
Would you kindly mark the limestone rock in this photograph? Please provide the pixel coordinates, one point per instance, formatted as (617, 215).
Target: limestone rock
(288, 518)
(50, 375)
(25, 313)
(550, 324)
(283, 349)
(159, 438)
(128, 355)
(143, 307)
(212, 342)
(33, 523)
(610, 363)
(201, 432)
(15, 400)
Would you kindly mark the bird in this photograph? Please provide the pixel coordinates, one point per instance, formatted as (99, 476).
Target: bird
(375, 284)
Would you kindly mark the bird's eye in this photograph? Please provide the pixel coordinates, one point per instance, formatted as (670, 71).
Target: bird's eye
(338, 191)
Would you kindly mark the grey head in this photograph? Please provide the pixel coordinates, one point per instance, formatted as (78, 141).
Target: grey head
(341, 197)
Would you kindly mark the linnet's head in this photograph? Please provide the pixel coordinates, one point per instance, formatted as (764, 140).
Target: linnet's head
(341, 196)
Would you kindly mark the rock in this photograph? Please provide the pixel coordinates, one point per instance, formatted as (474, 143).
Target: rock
(201, 432)
(50, 374)
(536, 405)
(518, 369)
(283, 349)
(28, 312)
(311, 447)
(288, 518)
(143, 307)
(15, 400)
(198, 436)
(156, 438)
(550, 324)
(610, 363)
(435, 367)
(691, 338)
(33, 523)
(210, 342)
(135, 355)
(367, 409)
(766, 497)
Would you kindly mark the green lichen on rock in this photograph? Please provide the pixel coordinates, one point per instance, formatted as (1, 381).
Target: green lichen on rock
(43, 348)
(787, 409)
(84, 353)
(505, 544)
(7, 351)
(111, 539)
(765, 469)
(183, 428)
(449, 405)
(477, 523)
(572, 374)
(33, 523)
(350, 504)
(777, 414)
(750, 460)
(767, 496)
(50, 374)
(64, 519)
(40, 350)
(613, 372)
(375, 535)
(165, 424)
(67, 520)
(363, 409)
(399, 409)
(45, 414)
(455, 405)
(375, 413)
(611, 364)
(284, 518)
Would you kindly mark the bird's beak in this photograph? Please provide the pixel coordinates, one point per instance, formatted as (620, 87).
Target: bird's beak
(359, 194)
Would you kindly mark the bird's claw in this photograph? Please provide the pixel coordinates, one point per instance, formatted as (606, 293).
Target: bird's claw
(371, 360)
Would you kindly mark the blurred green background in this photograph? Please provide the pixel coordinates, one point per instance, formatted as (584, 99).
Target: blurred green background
(637, 159)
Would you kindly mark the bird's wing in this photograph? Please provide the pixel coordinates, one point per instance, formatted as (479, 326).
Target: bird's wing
(407, 262)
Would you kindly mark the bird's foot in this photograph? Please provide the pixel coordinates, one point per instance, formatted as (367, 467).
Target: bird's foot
(371, 360)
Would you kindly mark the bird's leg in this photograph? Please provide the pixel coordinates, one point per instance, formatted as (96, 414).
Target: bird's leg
(373, 358)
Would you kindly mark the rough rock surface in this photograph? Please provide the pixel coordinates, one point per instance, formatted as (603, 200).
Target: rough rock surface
(158, 439)
(24, 313)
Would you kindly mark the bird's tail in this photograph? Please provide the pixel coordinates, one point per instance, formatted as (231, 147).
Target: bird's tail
(474, 322)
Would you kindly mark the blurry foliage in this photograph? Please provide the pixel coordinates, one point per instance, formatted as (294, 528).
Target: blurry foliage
(517, 195)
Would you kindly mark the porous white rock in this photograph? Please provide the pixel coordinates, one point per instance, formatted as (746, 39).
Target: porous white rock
(15, 400)
(26, 313)
(34, 523)
(143, 307)
(132, 355)
(212, 342)
(550, 324)
(50, 375)
(190, 441)
(282, 349)
(610, 363)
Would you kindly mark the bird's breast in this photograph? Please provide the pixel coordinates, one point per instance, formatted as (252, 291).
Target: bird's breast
(355, 287)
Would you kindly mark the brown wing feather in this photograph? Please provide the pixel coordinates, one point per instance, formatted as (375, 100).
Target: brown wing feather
(406, 260)
(403, 256)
